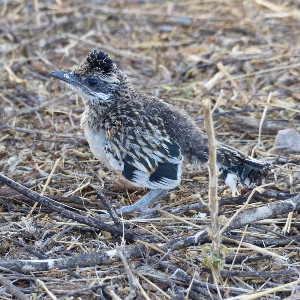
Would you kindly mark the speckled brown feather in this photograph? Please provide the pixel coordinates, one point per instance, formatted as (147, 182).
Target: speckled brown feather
(146, 138)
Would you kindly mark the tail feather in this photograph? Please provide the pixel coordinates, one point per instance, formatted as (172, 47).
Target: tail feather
(247, 170)
(235, 166)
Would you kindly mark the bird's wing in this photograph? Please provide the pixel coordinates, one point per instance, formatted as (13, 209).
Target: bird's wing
(144, 152)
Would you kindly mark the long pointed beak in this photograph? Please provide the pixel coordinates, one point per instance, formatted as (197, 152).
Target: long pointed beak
(68, 77)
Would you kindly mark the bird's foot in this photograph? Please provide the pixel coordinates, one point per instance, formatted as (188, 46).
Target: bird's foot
(142, 205)
(137, 208)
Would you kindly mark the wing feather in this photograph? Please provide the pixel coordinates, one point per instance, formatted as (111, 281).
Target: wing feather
(145, 153)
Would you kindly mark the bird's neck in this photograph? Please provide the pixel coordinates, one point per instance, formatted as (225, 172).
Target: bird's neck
(96, 112)
(94, 115)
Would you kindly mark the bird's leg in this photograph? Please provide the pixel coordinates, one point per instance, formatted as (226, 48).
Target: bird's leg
(143, 204)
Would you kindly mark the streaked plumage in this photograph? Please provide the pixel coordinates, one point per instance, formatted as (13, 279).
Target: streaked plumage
(143, 137)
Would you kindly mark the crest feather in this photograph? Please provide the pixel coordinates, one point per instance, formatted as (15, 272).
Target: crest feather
(101, 60)
(98, 61)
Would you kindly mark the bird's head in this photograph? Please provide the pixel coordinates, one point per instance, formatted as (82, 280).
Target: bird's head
(97, 80)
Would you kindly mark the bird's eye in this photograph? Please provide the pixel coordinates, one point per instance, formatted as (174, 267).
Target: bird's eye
(92, 81)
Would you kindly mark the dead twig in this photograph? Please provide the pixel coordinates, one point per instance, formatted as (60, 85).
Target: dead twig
(271, 210)
(110, 210)
(81, 260)
(213, 178)
(63, 211)
(133, 283)
(87, 289)
(250, 216)
(262, 274)
(214, 257)
(12, 288)
(45, 288)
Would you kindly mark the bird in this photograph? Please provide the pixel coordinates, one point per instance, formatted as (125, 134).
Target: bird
(144, 137)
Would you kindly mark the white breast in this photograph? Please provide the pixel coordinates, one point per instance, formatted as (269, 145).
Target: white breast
(96, 140)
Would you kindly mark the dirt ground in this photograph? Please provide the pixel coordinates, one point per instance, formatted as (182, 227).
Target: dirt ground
(245, 54)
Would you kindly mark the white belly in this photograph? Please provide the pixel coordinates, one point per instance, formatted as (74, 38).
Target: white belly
(97, 141)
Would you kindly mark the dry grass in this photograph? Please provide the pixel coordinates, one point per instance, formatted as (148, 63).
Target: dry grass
(180, 51)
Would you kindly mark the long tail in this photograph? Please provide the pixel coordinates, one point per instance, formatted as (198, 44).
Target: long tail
(234, 165)
(237, 167)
